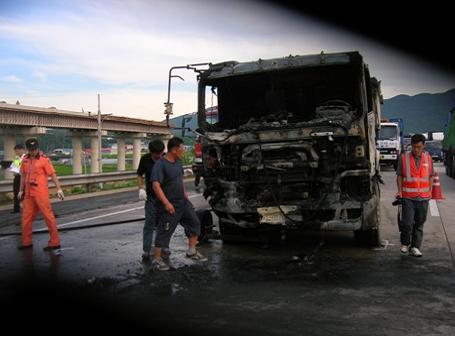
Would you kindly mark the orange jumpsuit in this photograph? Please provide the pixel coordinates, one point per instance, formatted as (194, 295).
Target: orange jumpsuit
(35, 172)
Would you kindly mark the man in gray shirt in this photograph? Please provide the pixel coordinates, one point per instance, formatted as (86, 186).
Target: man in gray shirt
(173, 206)
(414, 183)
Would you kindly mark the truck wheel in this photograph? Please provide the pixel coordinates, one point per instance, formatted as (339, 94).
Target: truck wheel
(368, 238)
(370, 235)
(206, 220)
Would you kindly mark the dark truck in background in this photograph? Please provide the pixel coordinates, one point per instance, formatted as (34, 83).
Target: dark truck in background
(448, 145)
(295, 142)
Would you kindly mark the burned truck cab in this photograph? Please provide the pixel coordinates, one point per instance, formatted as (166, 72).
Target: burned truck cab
(293, 146)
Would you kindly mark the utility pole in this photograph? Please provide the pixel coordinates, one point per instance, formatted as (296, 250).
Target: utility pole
(100, 156)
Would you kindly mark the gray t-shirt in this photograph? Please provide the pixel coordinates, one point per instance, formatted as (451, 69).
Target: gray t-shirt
(417, 160)
(170, 176)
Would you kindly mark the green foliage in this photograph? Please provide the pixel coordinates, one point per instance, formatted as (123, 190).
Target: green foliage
(188, 157)
(63, 170)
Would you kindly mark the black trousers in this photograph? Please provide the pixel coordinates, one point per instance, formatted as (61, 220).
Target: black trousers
(414, 215)
(16, 187)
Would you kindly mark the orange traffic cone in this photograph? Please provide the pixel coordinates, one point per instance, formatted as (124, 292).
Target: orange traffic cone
(436, 193)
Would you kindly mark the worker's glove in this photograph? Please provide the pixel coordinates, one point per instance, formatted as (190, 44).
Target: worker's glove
(60, 195)
(142, 194)
(20, 195)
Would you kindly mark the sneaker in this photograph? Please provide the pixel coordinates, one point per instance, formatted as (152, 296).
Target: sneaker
(198, 256)
(415, 252)
(146, 256)
(160, 265)
(165, 253)
(404, 249)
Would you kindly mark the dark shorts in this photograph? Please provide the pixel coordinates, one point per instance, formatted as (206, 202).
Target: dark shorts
(167, 223)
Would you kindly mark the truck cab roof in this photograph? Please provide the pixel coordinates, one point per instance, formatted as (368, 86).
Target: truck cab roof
(233, 68)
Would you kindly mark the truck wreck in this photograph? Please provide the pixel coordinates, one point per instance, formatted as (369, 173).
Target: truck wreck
(293, 145)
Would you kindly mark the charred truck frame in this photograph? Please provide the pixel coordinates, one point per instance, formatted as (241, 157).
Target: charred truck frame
(295, 144)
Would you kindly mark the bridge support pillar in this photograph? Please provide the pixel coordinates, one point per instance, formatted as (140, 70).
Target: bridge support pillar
(121, 154)
(94, 168)
(77, 135)
(9, 141)
(77, 154)
(137, 138)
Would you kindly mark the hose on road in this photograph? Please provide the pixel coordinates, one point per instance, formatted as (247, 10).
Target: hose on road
(72, 228)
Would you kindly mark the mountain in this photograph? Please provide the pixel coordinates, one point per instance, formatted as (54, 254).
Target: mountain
(422, 112)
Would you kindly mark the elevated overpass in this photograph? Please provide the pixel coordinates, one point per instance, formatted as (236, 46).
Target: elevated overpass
(19, 120)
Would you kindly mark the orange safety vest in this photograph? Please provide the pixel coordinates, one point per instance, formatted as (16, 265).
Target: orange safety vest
(416, 181)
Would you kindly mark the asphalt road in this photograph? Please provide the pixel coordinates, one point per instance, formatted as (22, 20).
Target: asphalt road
(73, 206)
(98, 281)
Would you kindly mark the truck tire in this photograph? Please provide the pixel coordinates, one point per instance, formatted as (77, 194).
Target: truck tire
(206, 220)
(370, 235)
(368, 238)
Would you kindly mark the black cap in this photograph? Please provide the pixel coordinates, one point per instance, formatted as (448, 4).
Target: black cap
(31, 144)
(18, 146)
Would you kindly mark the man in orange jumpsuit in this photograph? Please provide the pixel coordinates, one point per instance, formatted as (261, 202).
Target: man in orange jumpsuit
(35, 170)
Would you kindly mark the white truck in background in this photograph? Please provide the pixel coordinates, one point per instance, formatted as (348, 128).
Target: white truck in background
(389, 143)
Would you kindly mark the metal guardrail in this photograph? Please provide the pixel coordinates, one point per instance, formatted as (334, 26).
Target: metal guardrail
(6, 186)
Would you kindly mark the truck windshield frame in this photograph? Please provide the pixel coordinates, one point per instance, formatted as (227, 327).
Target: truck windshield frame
(388, 133)
(295, 94)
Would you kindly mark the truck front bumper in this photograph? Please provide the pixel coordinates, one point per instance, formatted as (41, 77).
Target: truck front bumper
(388, 157)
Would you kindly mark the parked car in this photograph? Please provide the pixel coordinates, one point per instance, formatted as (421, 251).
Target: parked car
(62, 152)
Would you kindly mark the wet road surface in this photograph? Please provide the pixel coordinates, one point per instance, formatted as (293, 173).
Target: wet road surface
(299, 287)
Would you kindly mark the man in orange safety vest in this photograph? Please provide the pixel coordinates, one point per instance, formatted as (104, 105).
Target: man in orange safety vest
(414, 182)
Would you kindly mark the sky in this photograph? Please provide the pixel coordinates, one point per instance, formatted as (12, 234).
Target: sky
(62, 53)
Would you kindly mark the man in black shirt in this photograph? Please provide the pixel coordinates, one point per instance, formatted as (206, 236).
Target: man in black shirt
(156, 148)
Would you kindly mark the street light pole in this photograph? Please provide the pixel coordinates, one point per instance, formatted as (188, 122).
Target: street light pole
(100, 163)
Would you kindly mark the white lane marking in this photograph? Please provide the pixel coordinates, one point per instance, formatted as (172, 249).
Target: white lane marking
(108, 214)
(100, 216)
(383, 247)
(434, 211)
(92, 218)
